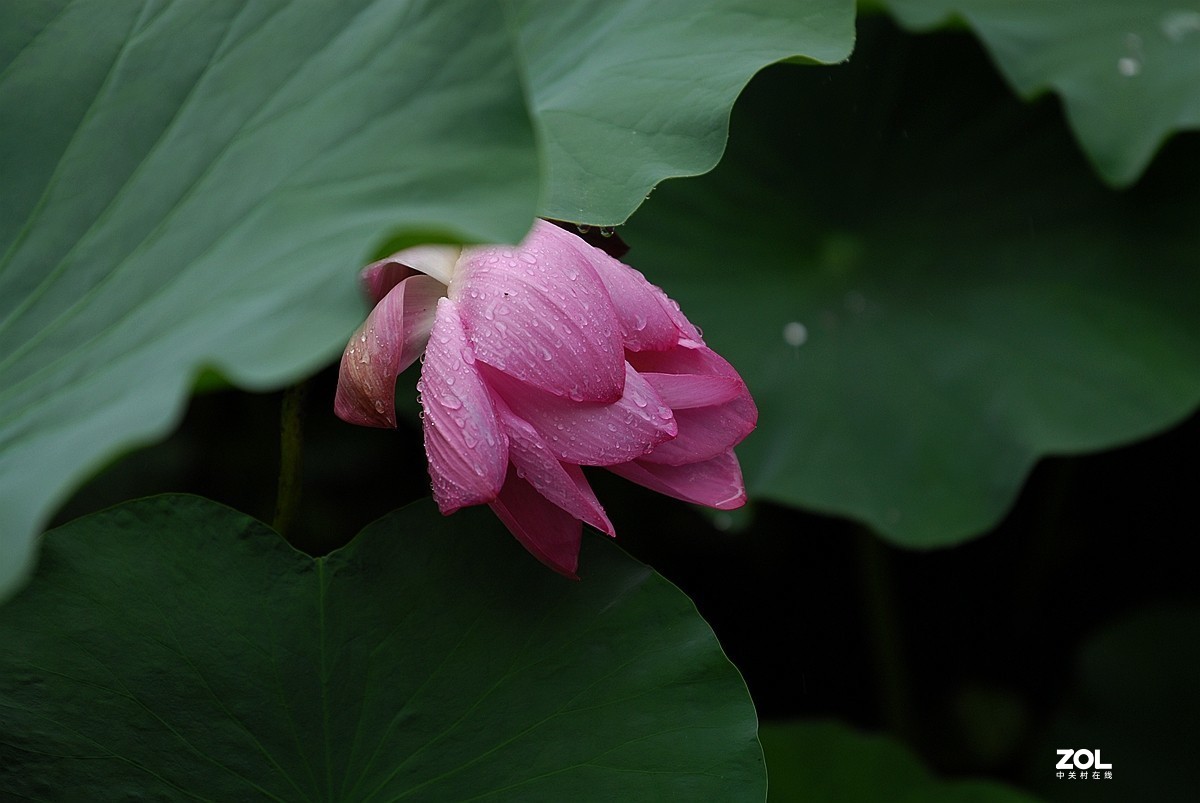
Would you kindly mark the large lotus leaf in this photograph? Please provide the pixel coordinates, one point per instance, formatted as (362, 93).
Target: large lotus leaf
(196, 183)
(1134, 699)
(926, 288)
(192, 184)
(172, 647)
(828, 761)
(1126, 69)
(641, 91)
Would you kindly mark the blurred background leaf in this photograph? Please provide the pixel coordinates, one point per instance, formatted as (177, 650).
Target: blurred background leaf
(827, 761)
(1126, 69)
(926, 288)
(173, 647)
(1133, 698)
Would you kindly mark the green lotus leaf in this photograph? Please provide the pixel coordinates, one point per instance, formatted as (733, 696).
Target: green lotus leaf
(1126, 71)
(191, 187)
(172, 648)
(926, 289)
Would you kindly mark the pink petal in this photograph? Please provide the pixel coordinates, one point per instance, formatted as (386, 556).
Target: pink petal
(700, 360)
(683, 391)
(705, 432)
(693, 375)
(380, 277)
(561, 483)
(649, 320)
(437, 261)
(468, 453)
(714, 483)
(590, 433)
(390, 340)
(546, 530)
(540, 314)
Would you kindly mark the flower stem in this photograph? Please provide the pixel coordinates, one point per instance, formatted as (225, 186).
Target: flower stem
(291, 457)
(883, 621)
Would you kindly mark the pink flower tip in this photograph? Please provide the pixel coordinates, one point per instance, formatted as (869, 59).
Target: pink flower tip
(540, 359)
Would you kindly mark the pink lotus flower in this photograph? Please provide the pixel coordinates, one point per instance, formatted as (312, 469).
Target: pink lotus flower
(540, 359)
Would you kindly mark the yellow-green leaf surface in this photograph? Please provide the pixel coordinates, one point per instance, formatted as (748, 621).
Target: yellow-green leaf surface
(172, 649)
(1126, 69)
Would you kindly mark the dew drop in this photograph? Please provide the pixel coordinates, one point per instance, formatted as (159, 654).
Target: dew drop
(451, 402)
(379, 406)
(583, 228)
(639, 322)
(795, 334)
(1178, 24)
(528, 257)
(607, 231)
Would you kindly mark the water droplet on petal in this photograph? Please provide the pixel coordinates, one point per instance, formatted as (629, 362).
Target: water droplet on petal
(379, 406)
